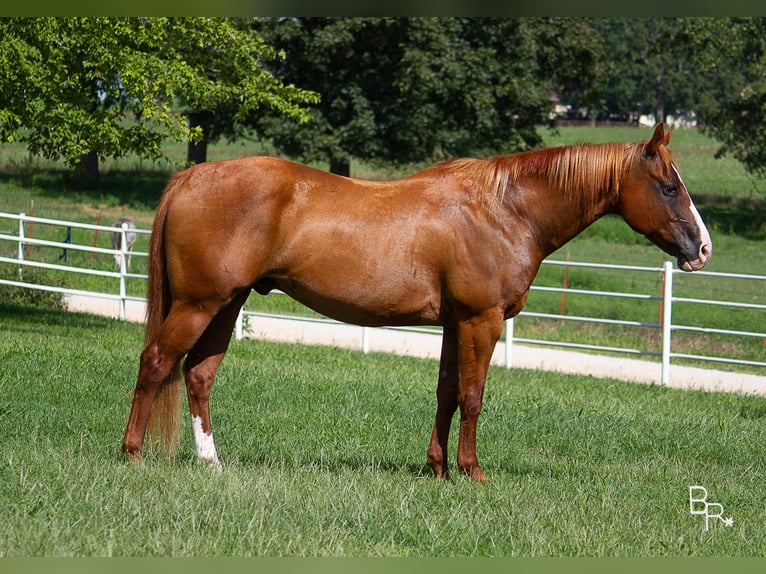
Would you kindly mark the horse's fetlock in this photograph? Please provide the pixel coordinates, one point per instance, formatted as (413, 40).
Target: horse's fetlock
(438, 467)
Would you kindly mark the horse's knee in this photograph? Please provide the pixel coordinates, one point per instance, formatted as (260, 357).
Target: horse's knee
(470, 405)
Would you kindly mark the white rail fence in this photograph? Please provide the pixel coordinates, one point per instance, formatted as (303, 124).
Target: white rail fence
(25, 243)
(665, 327)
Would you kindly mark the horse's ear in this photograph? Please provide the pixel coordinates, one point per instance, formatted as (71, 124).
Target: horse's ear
(659, 138)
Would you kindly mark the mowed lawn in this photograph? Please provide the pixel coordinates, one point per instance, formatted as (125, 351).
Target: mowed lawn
(324, 453)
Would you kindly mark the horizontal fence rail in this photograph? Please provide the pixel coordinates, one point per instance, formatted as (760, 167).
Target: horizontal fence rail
(16, 229)
(25, 242)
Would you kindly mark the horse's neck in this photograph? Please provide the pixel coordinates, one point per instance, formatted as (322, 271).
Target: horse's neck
(554, 218)
(561, 191)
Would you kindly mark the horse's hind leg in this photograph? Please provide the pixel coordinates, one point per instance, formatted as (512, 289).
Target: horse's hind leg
(178, 333)
(199, 371)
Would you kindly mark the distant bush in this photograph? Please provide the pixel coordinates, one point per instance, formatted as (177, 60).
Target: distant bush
(25, 297)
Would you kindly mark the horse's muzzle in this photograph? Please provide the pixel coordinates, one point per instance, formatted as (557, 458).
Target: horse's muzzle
(704, 253)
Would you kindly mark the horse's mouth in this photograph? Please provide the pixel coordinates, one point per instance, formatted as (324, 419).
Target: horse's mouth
(688, 266)
(701, 256)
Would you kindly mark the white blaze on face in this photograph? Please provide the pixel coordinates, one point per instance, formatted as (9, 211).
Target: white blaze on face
(704, 234)
(204, 444)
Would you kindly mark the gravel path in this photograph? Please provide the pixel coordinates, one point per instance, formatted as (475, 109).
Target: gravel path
(429, 346)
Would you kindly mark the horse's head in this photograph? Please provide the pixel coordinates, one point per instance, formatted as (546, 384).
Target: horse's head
(654, 201)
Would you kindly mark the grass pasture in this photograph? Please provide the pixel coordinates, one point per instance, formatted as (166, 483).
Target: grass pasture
(324, 450)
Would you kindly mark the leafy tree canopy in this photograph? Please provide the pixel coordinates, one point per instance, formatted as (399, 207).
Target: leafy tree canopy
(410, 89)
(399, 90)
(735, 111)
(68, 86)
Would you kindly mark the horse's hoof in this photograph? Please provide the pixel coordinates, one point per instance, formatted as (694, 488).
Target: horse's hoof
(480, 478)
(135, 458)
(476, 474)
(440, 470)
(212, 463)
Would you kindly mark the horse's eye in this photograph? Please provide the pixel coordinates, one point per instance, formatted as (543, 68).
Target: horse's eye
(670, 189)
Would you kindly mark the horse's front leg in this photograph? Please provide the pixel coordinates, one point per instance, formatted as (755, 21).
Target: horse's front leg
(477, 338)
(446, 396)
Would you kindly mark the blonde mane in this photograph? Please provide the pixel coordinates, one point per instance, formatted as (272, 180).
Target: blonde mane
(583, 173)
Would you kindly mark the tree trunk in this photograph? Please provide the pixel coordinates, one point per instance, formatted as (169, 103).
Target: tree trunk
(196, 152)
(340, 167)
(660, 111)
(87, 169)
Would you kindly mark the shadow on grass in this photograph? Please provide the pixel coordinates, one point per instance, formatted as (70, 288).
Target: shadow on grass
(18, 319)
(140, 190)
(740, 216)
(330, 464)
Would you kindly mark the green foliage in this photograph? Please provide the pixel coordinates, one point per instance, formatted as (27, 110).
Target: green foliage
(713, 68)
(413, 89)
(33, 298)
(69, 85)
(739, 114)
(393, 90)
(656, 65)
(401, 90)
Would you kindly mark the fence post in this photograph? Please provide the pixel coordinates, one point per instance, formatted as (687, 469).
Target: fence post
(95, 238)
(21, 244)
(123, 269)
(667, 314)
(564, 289)
(509, 343)
(31, 214)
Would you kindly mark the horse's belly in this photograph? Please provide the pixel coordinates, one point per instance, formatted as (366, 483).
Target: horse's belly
(371, 304)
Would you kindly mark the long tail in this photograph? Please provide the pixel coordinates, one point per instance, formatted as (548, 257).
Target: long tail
(164, 428)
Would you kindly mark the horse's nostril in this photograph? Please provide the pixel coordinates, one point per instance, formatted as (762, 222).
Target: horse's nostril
(705, 251)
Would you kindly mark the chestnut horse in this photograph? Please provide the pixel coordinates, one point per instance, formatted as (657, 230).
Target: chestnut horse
(455, 245)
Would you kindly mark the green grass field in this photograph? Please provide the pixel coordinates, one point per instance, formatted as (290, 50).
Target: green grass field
(324, 453)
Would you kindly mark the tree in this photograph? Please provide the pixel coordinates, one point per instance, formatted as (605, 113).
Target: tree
(84, 89)
(570, 54)
(651, 60)
(230, 56)
(666, 66)
(735, 112)
(406, 90)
